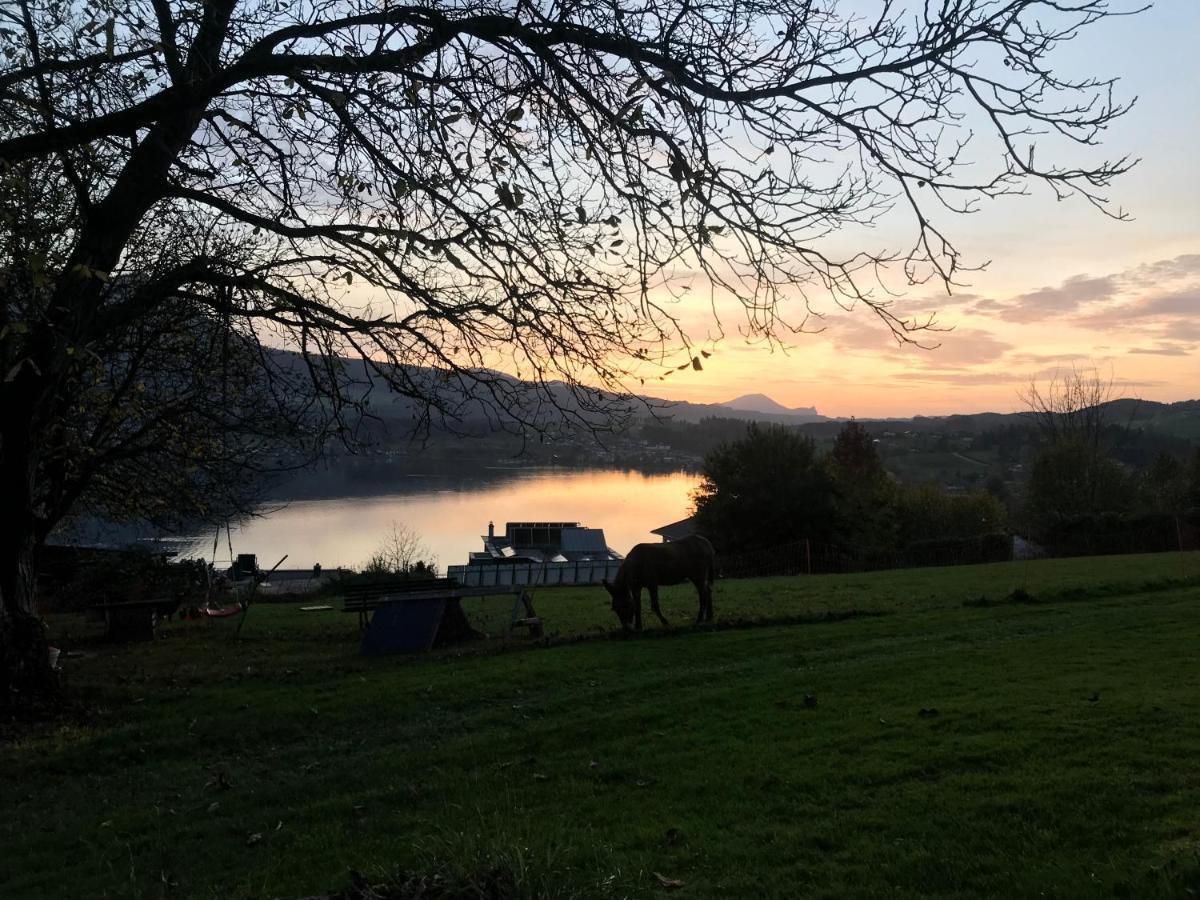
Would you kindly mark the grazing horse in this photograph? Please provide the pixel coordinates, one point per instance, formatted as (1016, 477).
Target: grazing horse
(651, 565)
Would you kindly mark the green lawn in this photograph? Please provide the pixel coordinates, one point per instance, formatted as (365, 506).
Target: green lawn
(1062, 760)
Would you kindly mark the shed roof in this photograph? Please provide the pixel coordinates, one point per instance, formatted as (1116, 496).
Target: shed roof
(677, 530)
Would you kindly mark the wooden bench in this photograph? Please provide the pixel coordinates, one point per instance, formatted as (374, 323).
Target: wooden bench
(434, 612)
(408, 616)
(366, 597)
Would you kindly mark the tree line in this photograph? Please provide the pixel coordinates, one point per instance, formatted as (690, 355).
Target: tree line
(772, 487)
(1082, 490)
(1084, 484)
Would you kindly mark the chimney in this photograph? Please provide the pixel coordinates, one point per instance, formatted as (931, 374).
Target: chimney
(491, 529)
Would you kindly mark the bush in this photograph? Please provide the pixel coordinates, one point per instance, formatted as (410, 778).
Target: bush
(1072, 481)
(401, 554)
(984, 548)
(1111, 533)
(74, 578)
(927, 513)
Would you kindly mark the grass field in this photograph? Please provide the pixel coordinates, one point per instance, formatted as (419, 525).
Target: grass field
(1057, 754)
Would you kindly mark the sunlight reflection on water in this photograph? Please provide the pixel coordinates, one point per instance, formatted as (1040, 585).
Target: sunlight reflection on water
(451, 515)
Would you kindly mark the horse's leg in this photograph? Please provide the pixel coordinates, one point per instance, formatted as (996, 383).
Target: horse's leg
(637, 607)
(654, 604)
(704, 590)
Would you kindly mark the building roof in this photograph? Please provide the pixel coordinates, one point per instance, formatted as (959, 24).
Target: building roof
(584, 540)
(509, 526)
(544, 541)
(677, 530)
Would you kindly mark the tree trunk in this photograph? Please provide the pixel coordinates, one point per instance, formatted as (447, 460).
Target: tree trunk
(25, 674)
(40, 384)
(26, 677)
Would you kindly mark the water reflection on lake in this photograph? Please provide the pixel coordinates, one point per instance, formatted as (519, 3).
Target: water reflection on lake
(450, 514)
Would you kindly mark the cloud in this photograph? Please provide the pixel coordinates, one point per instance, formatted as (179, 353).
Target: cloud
(1168, 287)
(1142, 313)
(941, 301)
(1047, 302)
(1185, 302)
(963, 347)
(1050, 359)
(974, 379)
(1166, 311)
(1182, 330)
(862, 331)
(1165, 349)
(1154, 273)
(988, 306)
(941, 348)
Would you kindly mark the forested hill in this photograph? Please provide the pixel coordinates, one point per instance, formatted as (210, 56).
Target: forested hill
(1180, 419)
(475, 412)
(394, 413)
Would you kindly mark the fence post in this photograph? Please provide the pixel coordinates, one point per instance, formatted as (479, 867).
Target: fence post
(807, 557)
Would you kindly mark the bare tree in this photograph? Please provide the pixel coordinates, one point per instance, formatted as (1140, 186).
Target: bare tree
(1071, 407)
(401, 552)
(441, 188)
(1073, 474)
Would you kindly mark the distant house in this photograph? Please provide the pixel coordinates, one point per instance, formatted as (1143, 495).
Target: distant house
(676, 531)
(540, 553)
(524, 542)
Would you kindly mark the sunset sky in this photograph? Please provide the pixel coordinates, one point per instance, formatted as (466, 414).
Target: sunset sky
(1064, 284)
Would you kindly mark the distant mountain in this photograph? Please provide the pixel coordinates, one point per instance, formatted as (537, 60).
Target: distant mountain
(476, 414)
(474, 407)
(761, 403)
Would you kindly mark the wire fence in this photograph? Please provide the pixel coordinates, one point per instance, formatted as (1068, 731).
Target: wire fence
(805, 557)
(72, 577)
(1157, 536)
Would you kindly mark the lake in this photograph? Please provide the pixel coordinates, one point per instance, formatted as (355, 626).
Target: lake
(450, 513)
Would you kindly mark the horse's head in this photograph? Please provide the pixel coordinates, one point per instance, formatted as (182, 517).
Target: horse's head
(622, 604)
